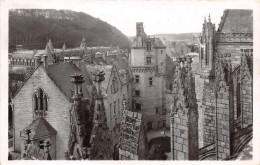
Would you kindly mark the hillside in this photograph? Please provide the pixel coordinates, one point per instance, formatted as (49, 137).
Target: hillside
(31, 28)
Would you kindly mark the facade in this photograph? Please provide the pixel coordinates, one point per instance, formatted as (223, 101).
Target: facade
(148, 63)
(228, 91)
(116, 87)
(48, 89)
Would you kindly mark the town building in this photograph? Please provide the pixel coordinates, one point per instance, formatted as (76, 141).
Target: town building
(148, 64)
(48, 89)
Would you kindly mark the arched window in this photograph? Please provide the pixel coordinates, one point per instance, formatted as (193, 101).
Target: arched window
(40, 101)
(40, 94)
(35, 100)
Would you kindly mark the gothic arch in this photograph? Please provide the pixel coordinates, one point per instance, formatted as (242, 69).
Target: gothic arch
(40, 101)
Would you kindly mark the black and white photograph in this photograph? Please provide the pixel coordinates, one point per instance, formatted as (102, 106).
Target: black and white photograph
(121, 80)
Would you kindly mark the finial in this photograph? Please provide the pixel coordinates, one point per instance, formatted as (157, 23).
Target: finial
(83, 39)
(98, 77)
(209, 19)
(205, 21)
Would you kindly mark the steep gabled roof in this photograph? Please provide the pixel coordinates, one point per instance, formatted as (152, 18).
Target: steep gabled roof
(60, 74)
(236, 21)
(107, 70)
(39, 128)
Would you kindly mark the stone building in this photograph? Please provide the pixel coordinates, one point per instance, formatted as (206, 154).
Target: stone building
(48, 89)
(184, 114)
(148, 64)
(227, 95)
(116, 87)
(207, 46)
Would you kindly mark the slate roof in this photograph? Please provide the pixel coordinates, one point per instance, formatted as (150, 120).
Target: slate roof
(130, 131)
(60, 74)
(236, 21)
(107, 70)
(123, 69)
(39, 128)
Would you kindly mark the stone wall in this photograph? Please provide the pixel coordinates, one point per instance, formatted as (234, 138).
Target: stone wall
(58, 110)
(208, 113)
(152, 98)
(234, 50)
(181, 137)
(199, 84)
(224, 122)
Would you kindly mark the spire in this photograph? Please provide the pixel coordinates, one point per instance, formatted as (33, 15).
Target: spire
(83, 39)
(83, 44)
(205, 21)
(98, 77)
(100, 140)
(64, 46)
(209, 19)
(50, 45)
(48, 53)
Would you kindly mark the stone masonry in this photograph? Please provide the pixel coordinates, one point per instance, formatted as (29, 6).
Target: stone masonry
(184, 115)
(208, 109)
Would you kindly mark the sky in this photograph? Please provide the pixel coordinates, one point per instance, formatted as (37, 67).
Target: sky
(158, 17)
(168, 16)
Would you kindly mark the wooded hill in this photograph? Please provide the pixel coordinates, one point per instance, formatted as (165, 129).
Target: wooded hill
(33, 27)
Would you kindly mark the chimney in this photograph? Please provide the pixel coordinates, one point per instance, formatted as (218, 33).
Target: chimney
(37, 59)
(98, 77)
(77, 79)
(45, 62)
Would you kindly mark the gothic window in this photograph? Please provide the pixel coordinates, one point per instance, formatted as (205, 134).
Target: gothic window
(40, 98)
(40, 101)
(150, 81)
(35, 99)
(149, 47)
(148, 60)
(137, 80)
